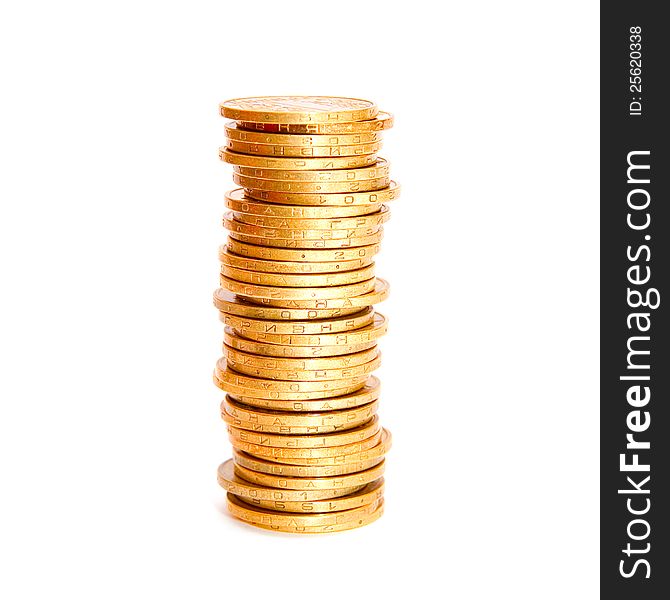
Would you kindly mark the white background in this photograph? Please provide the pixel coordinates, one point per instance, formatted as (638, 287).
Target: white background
(111, 204)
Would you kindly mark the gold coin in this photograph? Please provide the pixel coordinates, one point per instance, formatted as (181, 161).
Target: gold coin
(369, 392)
(274, 389)
(299, 200)
(288, 454)
(274, 468)
(374, 171)
(306, 244)
(309, 467)
(283, 266)
(370, 222)
(326, 440)
(311, 483)
(299, 364)
(248, 383)
(298, 109)
(236, 133)
(315, 326)
(309, 280)
(231, 338)
(230, 303)
(299, 375)
(261, 416)
(313, 375)
(301, 255)
(295, 279)
(273, 518)
(237, 201)
(295, 163)
(366, 495)
(230, 482)
(368, 333)
(302, 151)
(301, 522)
(381, 122)
(321, 529)
(247, 395)
(291, 429)
(309, 187)
(251, 290)
(270, 233)
(377, 451)
(285, 429)
(379, 294)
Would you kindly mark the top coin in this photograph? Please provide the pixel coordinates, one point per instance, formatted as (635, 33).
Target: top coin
(298, 109)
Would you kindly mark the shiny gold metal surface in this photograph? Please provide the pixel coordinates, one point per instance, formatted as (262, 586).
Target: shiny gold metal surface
(295, 233)
(374, 195)
(373, 220)
(288, 454)
(269, 297)
(240, 487)
(309, 280)
(232, 339)
(302, 151)
(315, 441)
(305, 523)
(310, 363)
(378, 450)
(316, 471)
(317, 255)
(292, 164)
(290, 267)
(303, 375)
(313, 294)
(334, 173)
(381, 122)
(291, 429)
(313, 327)
(298, 289)
(363, 395)
(251, 184)
(299, 109)
(331, 391)
(345, 418)
(366, 495)
(236, 305)
(240, 202)
(311, 483)
(236, 133)
(275, 388)
(369, 333)
(308, 244)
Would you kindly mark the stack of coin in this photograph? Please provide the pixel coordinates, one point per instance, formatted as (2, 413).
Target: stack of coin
(298, 286)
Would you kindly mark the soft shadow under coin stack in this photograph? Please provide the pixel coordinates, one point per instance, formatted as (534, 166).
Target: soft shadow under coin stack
(298, 286)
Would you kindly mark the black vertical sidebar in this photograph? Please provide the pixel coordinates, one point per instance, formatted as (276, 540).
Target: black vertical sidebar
(635, 301)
